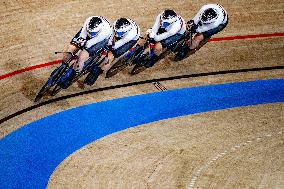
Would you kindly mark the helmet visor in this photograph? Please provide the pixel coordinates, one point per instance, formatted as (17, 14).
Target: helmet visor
(120, 34)
(93, 34)
(165, 24)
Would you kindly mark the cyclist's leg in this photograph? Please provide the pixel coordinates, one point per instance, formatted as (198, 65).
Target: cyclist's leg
(170, 42)
(106, 64)
(196, 39)
(96, 70)
(121, 51)
(64, 80)
(90, 51)
(119, 54)
(83, 57)
(135, 49)
(78, 65)
(201, 44)
(201, 39)
(73, 47)
(161, 46)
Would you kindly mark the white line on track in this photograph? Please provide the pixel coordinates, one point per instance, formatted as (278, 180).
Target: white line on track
(222, 154)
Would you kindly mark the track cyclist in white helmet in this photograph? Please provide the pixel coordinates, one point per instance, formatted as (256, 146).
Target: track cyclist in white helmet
(93, 36)
(210, 20)
(125, 35)
(166, 32)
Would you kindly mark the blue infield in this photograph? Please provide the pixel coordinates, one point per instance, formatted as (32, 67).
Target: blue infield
(29, 155)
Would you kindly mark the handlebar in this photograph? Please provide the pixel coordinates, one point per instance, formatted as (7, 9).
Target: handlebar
(69, 59)
(59, 52)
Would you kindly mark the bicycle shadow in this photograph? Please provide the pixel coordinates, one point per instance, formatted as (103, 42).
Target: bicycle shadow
(29, 82)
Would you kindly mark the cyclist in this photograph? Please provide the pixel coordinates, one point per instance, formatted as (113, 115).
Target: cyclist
(125, 35)
(168, 29)
(92, 37)
(210, 20)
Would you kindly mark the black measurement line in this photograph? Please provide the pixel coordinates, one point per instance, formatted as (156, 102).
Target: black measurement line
(137, 83)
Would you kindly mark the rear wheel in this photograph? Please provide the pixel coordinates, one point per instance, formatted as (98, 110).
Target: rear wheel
(52, 80)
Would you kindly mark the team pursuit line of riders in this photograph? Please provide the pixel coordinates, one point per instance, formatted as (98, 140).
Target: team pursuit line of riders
(120, 43)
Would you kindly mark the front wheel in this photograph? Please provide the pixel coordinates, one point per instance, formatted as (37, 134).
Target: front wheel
(141, 64)
(56, 90)
(42, 91)
(117, 67)
(137, 69)
(182, 53)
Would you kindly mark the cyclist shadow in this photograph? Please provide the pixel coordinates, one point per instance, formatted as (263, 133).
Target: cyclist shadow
(34, 81)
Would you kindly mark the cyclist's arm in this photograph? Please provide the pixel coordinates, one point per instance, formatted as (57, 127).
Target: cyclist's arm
(133, 34)
(104, 34)
(153, 31)
(83, 31)
(174, 30)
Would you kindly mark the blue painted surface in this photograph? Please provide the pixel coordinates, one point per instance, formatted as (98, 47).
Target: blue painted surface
(29, 155)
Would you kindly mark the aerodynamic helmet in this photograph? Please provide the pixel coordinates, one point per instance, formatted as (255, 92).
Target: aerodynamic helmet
(209, 16)
(94, 26)
(168, 17)
(121, 27)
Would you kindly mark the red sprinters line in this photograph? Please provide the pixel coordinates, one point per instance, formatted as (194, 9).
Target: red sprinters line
(29, 68)
(246, 37)
(211, 40)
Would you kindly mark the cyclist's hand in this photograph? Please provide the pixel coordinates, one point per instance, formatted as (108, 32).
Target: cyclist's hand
(81, 41)
(148, 31)
(109, 47)
(151, 40)
(191, 26)
(151, 35)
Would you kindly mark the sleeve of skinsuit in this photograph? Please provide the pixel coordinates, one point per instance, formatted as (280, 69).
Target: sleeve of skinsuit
(155, 28)
(220, 19)
(83, 33)
(174, 29)
(133, 34)
(137, 28)
(104, 34)
(197, 17)
(111, 39)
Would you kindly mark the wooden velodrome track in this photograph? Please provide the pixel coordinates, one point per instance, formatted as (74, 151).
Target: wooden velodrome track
(168, 153)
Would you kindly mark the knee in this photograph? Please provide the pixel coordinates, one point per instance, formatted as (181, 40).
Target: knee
(158, 48)
(110, 56)
(198, 37)
(196, 40)
(105, 65)
(71, 48)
